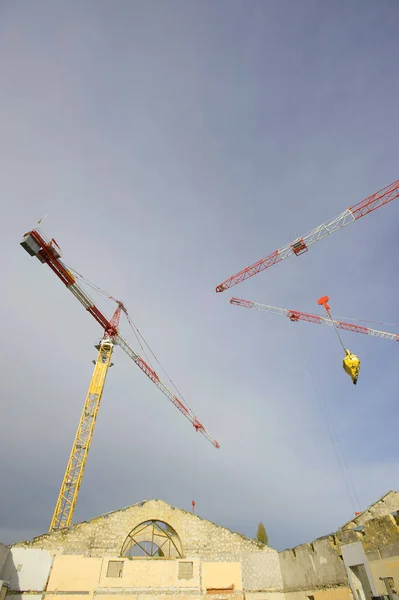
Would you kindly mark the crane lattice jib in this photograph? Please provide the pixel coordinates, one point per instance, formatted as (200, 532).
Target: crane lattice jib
(295, 315)
(48, 252)
(301, 245)
(164, 389)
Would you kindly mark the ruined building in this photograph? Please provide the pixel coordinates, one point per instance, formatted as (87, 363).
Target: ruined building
(152, 550)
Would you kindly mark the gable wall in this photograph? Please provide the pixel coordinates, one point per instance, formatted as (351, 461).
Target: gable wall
(105, 535)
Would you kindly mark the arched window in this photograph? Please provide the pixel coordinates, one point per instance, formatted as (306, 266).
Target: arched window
(152, 539)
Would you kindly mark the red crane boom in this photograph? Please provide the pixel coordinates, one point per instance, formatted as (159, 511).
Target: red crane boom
(301, 245)
(295, 315)
(48, 252)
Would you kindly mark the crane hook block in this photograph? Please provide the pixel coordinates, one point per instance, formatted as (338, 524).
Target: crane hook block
(351, 364)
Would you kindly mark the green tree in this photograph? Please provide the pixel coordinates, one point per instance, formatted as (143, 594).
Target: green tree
(261, 534)
(160, 552)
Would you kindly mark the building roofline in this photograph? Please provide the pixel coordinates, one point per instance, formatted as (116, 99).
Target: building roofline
(367, 509)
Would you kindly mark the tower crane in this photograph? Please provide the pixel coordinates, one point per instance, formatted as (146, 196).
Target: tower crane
(48, 252)
(351, 362)
(301, 245)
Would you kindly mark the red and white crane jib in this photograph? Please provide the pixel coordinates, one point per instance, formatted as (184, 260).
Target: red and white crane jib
(301, 245)
(164, 389)
(295, 315)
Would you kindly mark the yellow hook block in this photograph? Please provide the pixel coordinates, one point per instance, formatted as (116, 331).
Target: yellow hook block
(351, 364)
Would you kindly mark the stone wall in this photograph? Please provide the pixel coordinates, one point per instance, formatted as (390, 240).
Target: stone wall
(380, 540)
(261, 571)
(310, 569)
(315, 569)
(384, 506)
(105, 535)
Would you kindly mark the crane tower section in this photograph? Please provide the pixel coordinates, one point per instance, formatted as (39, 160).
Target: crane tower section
(69, 491)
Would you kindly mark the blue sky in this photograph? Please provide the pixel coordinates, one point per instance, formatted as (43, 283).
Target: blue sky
(172, 144)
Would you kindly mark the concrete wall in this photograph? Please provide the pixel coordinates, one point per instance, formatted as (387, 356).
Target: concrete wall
(312, 566)
(27, 569)
(354, 556)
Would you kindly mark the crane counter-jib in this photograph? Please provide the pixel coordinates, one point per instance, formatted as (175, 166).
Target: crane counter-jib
(48, 252)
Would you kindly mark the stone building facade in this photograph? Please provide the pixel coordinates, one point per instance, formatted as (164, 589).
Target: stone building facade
(152, 550)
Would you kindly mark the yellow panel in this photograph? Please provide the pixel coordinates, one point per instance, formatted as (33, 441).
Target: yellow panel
(221, 575)
(387, 567)
(74, 573)
(333, 594)
(140, 596)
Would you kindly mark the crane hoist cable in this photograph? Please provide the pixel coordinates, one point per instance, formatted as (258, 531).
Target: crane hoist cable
(367, 321)
(351, 362)
(331, 429)
(323, 301)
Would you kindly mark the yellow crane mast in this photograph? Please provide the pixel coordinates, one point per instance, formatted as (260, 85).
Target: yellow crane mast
(69, 491)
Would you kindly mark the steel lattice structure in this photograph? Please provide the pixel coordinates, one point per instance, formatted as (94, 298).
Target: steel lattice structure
(295, 315)
(153, 538)
(72, 480)
(301, 245)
